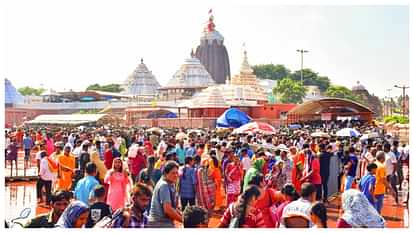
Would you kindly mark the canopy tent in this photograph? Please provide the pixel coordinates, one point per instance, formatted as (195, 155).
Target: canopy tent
(232, 118)
(327, 109)
(256, 127)
(162, 113)
(348, 132)
(71, 119)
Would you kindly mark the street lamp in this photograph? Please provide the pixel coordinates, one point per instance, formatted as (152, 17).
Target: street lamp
(301, 51)
(389, 103)
(404, 98)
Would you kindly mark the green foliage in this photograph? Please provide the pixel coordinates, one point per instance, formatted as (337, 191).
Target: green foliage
(312, 78)
(396, 119)
(116, 88)
(290, 91)
(31, 91)
(343, 93)
(270, 71)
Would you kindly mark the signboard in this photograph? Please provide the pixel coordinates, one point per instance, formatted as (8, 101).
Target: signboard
(326, 116)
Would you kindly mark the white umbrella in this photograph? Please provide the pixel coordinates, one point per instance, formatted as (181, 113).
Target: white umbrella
(154, 129)
(181, 136)
(348, 132)
(320, 135)
(369, 136)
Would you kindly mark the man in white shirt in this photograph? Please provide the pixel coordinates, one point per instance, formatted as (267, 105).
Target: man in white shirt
(46, 178)
(301, 207)
(42, 147)
(391, 169)
(246, 161)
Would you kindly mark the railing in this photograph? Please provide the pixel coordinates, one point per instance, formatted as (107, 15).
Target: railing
(92, 105)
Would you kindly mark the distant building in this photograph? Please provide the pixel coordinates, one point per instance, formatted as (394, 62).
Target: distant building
(267, 86)
(11, 95)
(141, 84)
(191, 78)
(371, 101)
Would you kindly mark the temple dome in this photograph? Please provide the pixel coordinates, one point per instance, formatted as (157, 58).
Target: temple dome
(358, 87)
(141, 82)
(210, 97)
(11, 95)
(191, 74)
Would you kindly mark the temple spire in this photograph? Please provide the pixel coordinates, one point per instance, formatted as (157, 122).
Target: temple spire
(245, 66)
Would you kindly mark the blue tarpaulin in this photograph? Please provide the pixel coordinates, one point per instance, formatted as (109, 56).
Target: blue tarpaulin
(232, 118)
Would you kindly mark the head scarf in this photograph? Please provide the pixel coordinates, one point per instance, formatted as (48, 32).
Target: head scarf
(358, 212)
(253, 171)
(71, 214)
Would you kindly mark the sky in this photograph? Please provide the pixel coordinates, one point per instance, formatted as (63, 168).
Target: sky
(72, 44)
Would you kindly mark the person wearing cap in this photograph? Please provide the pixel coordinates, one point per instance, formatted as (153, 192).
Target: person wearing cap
(297, 214)
(66, 168)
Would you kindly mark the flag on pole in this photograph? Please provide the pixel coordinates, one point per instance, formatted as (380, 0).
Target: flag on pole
(210, 11)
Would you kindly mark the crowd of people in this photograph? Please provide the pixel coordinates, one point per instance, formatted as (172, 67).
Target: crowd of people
(159, 178)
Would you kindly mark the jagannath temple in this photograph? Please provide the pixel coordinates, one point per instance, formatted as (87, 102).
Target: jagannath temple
(212, 52)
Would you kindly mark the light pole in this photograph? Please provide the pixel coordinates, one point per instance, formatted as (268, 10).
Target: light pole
(301, 51)
(389, 103)
(404, 98)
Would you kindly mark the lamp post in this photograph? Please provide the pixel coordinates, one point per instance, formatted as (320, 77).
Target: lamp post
(404, 98)
(389, 103)
(301, 51)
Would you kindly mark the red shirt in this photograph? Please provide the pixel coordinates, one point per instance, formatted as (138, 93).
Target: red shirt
(136, 164)
(108, 159)
(316, 174)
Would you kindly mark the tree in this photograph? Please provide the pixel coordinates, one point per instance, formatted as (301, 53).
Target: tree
(343, 93)
(270, 71)
(108, 88)
(31, 91)
(312, 78)
(289, 91)
(396, 119)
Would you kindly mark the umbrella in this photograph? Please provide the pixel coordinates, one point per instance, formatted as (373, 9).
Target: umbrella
(256, 127)
(180, 136)
(348, 132)
(295, 126)
(369, 136)
(154, 129)
(320, 135)
(196, 131)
